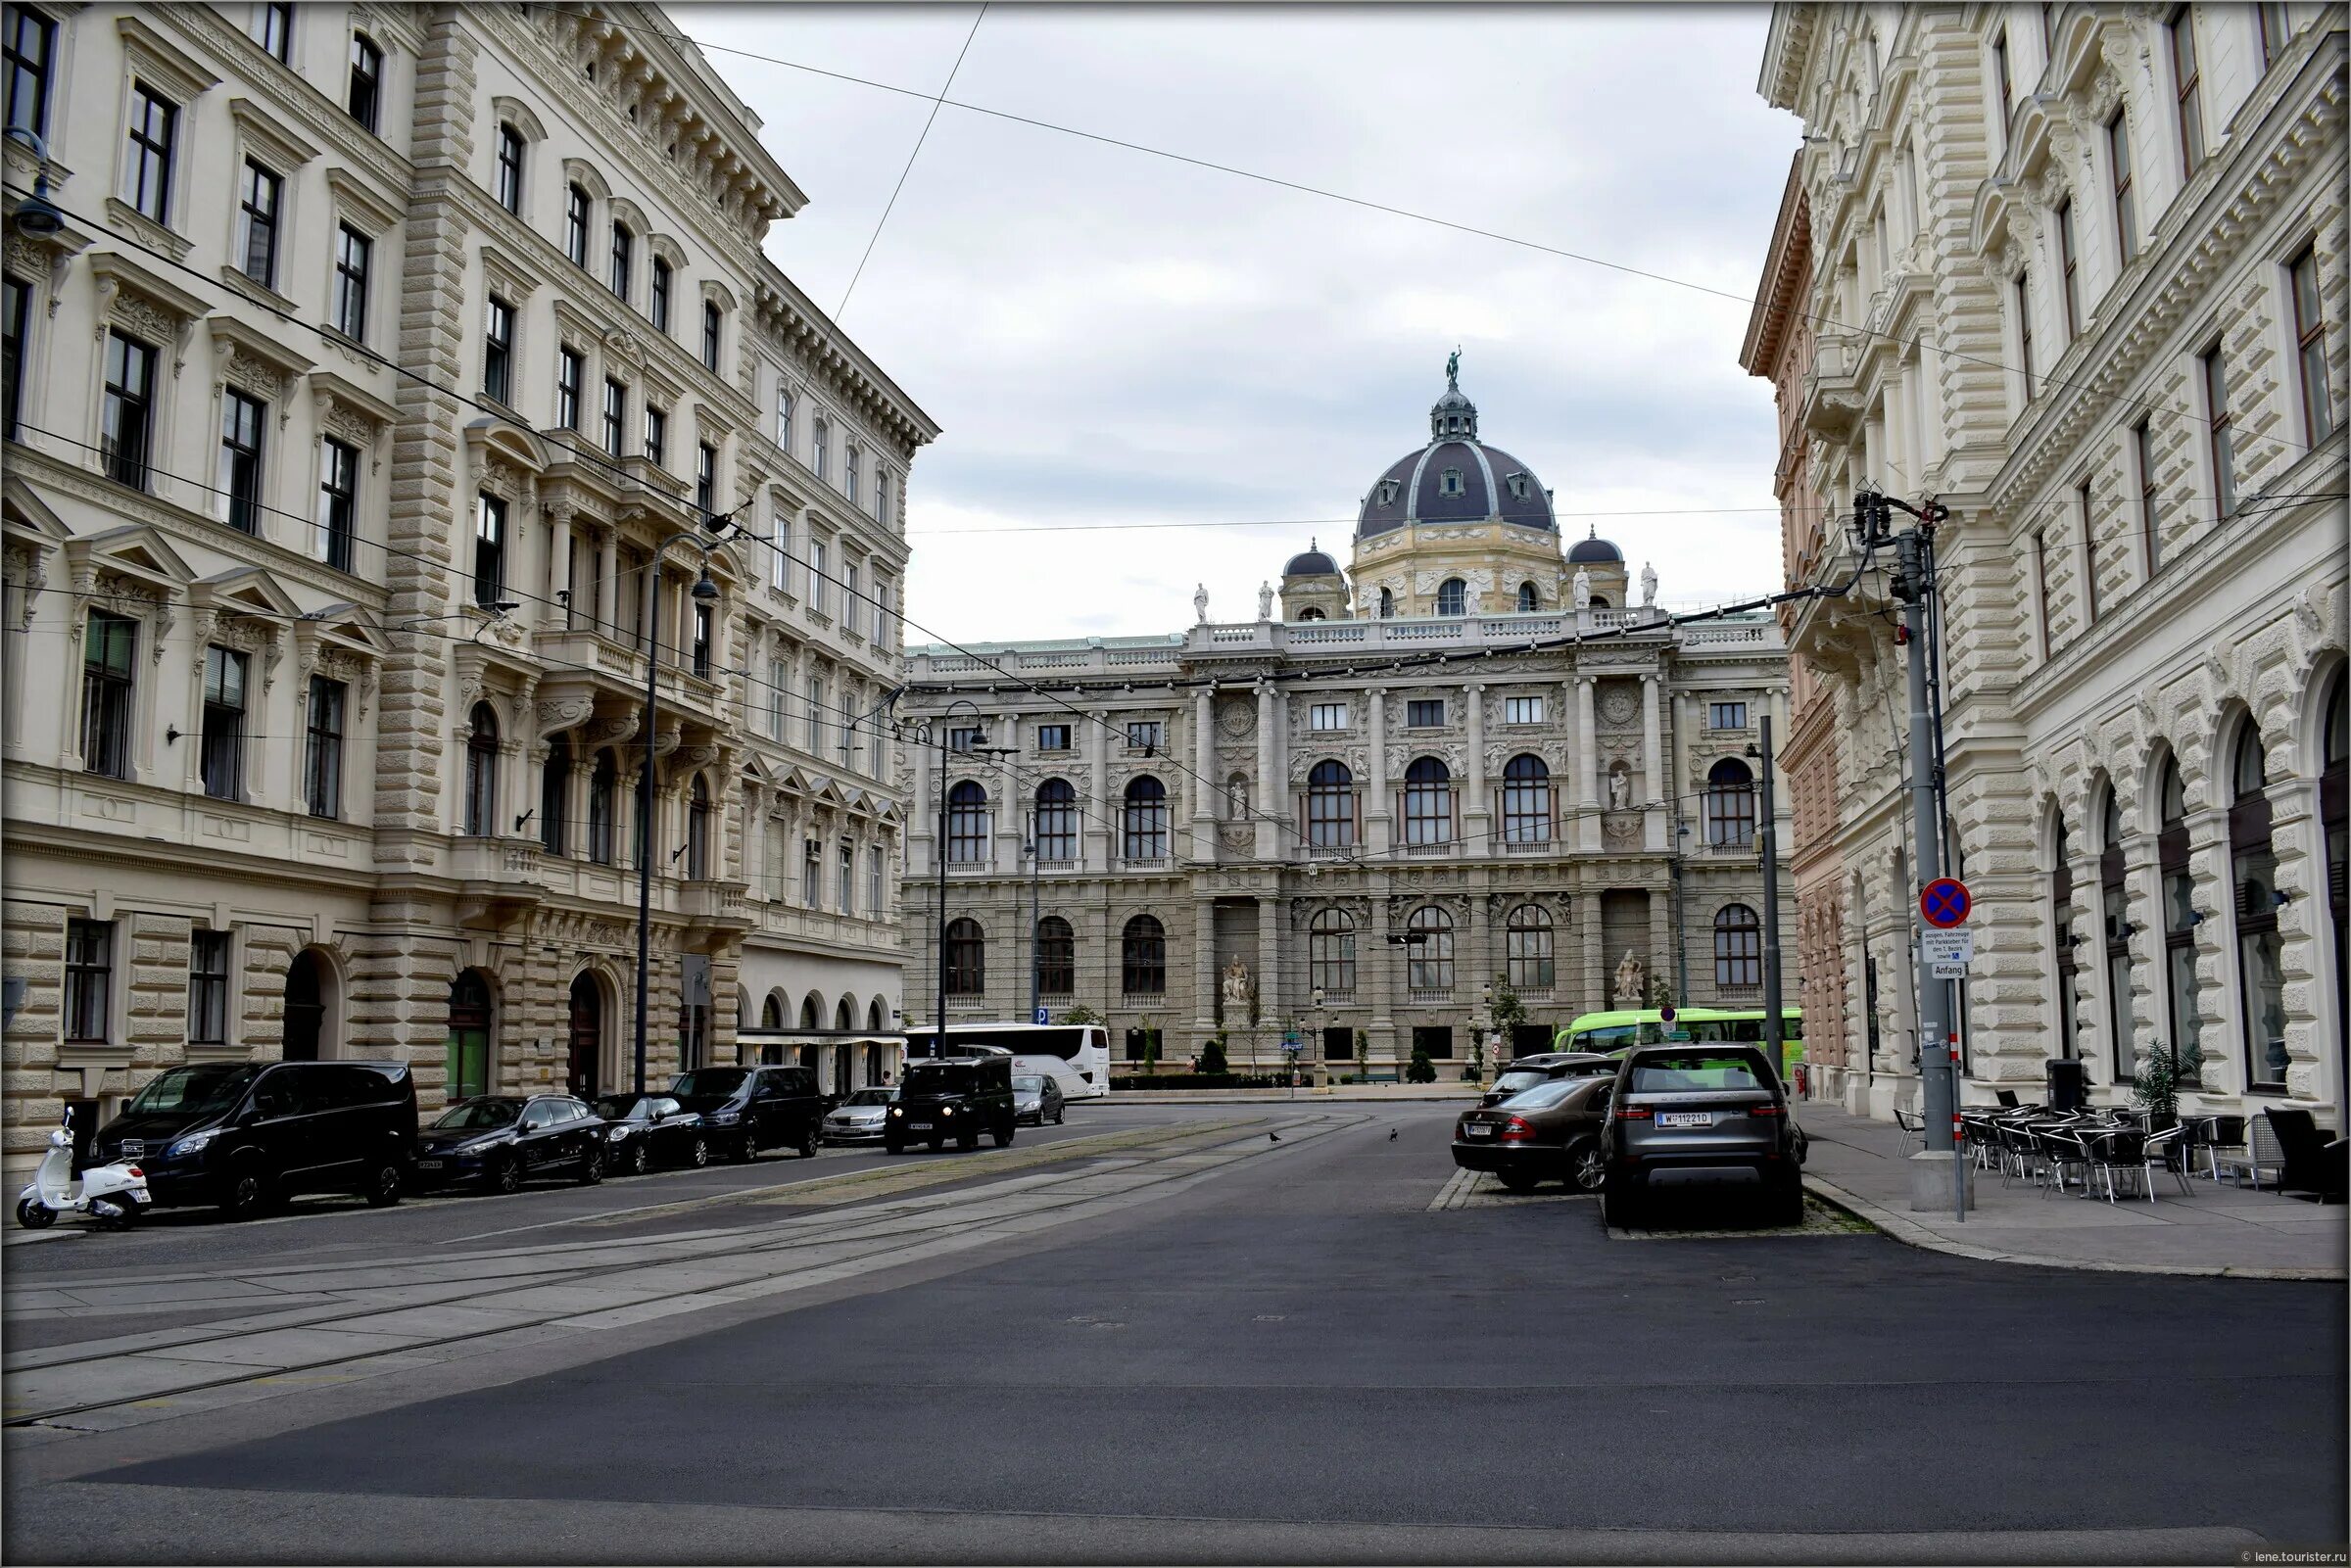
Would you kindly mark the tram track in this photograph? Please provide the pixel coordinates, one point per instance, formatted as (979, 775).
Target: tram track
(898, 1227)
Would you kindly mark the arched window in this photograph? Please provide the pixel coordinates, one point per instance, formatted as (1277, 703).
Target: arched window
(481, 772)
(508, 183)
(603, 794)
(1331, 806)
(967, 959)
(1600, 601)
(1738, 947)
(1387, 603)
(2260, 949)
(1429, 967)
(808, 1007)
(771, 1012)
(1730, 805)
(2180, 921)
(2061, 943)
(2115, 917)
(1453, 597)
(1527, 954)
(1526, 800)
(844, 1018)
(1056, 820)
(555, 796)
(1056, 957)
(967, 823)
(1310, 613)
(1427, 803)
(1144, 822)
(1143, 957)
(576, 206)
(1331, 953)
(1529, 598)
(697, 831)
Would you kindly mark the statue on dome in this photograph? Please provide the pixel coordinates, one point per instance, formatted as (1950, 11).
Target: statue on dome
(1453, 368)
(1648, 586)
(1200, 604)
(1264, 601)
(1583, 591)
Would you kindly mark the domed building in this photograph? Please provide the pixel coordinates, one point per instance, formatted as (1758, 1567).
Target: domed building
(1434, 777)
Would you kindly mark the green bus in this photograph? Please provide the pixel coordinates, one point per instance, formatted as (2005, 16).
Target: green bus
(1608, 1032)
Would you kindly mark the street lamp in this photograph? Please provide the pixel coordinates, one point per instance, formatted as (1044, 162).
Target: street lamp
(705, 591)
(938, 850)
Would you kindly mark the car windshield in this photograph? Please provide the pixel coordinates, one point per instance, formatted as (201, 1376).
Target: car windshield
(194, 1091)
(1030, 1085)
(875, 1096)
(1511, 1083)
(1542, 1096)
(1694, 1072)
(938, 1080)
(480, 1114)
(718, 1081)
(618, 1107)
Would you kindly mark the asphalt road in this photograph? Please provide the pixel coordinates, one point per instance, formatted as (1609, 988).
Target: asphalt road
(1293, 1359)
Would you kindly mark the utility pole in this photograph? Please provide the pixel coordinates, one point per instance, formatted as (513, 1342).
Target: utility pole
(1774, 1029)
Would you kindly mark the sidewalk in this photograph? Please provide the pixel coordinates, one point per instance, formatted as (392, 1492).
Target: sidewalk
(2221, 1229)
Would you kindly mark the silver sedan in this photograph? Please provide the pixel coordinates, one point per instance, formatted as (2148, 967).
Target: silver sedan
(858, 1119)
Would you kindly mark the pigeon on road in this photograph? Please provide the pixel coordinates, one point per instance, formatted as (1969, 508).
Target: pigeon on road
(1391, 1135)
(1273, 1137)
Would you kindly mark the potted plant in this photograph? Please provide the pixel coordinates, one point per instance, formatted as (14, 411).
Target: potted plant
(2162, 1073)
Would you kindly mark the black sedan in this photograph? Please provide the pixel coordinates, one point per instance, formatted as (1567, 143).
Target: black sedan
(1549, 1132)
(503, 1140)
(645, 1130)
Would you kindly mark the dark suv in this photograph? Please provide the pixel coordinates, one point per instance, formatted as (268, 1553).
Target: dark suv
(1709, 1108)
(745, 1109)
(957, 1097)
(248, 1134)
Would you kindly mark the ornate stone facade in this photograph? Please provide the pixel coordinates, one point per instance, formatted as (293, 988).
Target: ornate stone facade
(2094, 301)
(312, 743)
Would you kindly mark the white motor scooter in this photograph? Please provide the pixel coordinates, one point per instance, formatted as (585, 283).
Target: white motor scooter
(113, 1194)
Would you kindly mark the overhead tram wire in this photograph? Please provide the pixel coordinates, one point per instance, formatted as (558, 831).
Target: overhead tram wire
(1818, 320)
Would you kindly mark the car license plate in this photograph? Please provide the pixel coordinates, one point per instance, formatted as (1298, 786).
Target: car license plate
(139, 1196)
(429, 1164)
(919, 1127)
(1685, 1119)
(1475, 1130)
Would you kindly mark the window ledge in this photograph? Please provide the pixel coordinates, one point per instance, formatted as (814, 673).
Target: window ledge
(122, 215)
(260, 293)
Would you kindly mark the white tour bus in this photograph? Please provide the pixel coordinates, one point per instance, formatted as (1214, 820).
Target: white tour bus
(1076, 1056)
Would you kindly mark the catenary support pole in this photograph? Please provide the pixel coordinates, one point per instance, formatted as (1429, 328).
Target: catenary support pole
(1938, 1099)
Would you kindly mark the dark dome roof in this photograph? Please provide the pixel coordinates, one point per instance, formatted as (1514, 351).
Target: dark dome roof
(1456, 478)
(1594, 548)
(1313, 561)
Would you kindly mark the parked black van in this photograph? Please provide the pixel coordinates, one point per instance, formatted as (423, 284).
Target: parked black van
(246, 1135)
(745, 1109)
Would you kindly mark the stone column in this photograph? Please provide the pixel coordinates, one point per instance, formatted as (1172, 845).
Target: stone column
(607, 579)
(1268, 1034)
(1377, 793)
(1595, 979)
(1656, 820)
(1204, 801)
(1012, 822)
(558, 565)
(1098, 808)
(1269, 844)
(1387, 978)
(1587, 770)
(1477, 837)
(1204, 970)
(2218, 1008)
(2313, 1024)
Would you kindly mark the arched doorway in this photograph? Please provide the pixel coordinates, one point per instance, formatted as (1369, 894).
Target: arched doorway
(587, 1037)
(469, 1019)
(306, 1007)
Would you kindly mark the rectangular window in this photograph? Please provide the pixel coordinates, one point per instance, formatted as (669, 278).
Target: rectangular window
(498, 352)
(778, 682)
(575, 224)
(1424, 713)
(2309, 345)
(814, 739)
(818, 434)
(31, 41)
(783, 417)
(322, 747)
(848, 878)
(702, 642)
(812, 872)
(2142, 448)
(207, 985)
(2187, 83)
(657, 306)
(2126, 204)
(222, 760)
(89, 981)
(147, 176)
(705, 478)
(616, 416)
(367, 81)
(509, 184)
(2024, 328)
(20, 333)
(1522, 710)
(259, 196)
(1053, 738)
(2004, 82)
(2276, 32)
(1327, 716)
(241, 422)
(109, 656)
(656, 433)
(624, 250)
(816, 575)
(851, 599)
(1726, 714)
(489, 549)
(963, 738)
(569, 367)
(127, 431)
(2072, 288)
(338, 501)
(880, 613)
(882, 496)
(872, 884)
(2216, 409)
(353, 252)
(2089, 556)
(1146, 735)
(778, 556)
(2041, 588)
(849, 473)
(711, 315)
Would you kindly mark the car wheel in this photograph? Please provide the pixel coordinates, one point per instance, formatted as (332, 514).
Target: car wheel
(699, 1155)
(1061, 1113)
(742, 1151)
(35, 1215)
(1785, 1208)
(1519, 1180)
(968, 1140)
(1587, 1167)
(507, 1175)
(1004, 1136)
(641, 1158)
(1620, 1204)
(807, 1143)
(592, 1166)
(383, 1186)
(938, 1146)
(247, 1194)
(892, 1146)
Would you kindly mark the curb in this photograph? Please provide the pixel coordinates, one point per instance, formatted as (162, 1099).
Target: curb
(1914, 1234)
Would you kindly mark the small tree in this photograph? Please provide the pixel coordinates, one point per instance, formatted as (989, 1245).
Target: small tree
(2161, 1075)
(1079, 1012)
(1509, 1011)
(1211, 1056)
(1420, 1070)
(1661, 991)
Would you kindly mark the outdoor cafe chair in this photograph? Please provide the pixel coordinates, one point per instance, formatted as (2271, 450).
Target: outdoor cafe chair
(2219, 1134)
(2173, 1148)
(1914, 1130)
(2062, 1149)
(2115, 1152)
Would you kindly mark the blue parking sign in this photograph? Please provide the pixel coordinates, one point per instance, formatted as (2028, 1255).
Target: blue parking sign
(1043, 1016)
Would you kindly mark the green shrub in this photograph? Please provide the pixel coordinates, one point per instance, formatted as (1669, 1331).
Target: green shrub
(1212, 1056)
(1421, 1069)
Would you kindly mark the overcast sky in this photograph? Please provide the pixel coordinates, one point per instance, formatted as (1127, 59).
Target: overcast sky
(1112, 338)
